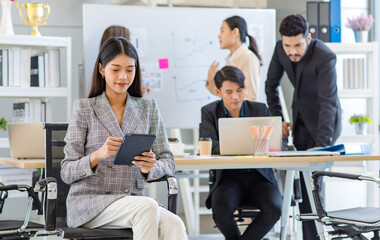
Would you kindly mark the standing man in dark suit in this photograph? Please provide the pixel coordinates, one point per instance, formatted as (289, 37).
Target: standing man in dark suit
(233, 187)
(310, 66)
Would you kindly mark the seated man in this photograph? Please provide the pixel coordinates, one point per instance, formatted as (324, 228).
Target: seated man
(233, 187)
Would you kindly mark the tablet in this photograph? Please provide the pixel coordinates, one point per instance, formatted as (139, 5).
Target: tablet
(133, 145)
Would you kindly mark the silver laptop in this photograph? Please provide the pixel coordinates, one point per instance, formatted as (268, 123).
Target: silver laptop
(26, 140)
(236, 139)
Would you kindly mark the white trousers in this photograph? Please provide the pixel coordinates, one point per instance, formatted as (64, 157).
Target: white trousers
(147, 220)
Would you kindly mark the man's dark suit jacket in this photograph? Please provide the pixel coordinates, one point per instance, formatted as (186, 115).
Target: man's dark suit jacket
(209, 128)
(315, 98)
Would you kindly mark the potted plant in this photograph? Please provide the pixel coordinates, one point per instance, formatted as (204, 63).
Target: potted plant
(360, 121)
(361, 25)
(3, 125)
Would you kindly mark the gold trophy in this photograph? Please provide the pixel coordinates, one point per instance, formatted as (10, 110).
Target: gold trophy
(35, 14)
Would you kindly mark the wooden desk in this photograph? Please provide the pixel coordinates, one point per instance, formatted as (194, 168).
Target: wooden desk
(291, 164)
(220, 162)
(226, 162)
(23, 163)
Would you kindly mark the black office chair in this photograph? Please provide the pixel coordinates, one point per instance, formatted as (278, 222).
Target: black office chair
(347, 223)
(54, 133)
(16, 229)
(56, 193)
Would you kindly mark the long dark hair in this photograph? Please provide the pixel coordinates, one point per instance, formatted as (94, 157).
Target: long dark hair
(114, 31)
(239, 23)
(109, 50)
(229, 73)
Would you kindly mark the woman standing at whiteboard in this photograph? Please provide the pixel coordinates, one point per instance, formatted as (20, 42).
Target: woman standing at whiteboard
(232, 36)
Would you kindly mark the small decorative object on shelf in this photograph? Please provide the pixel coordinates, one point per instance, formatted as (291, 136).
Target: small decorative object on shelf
(3, 125)
(360, 122)
(6, 26)
(35, 15)
(361, 25)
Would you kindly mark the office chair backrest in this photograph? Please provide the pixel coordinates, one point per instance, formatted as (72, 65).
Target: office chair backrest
(54, 144)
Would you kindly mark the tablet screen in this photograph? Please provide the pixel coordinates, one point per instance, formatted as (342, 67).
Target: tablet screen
(133, 145)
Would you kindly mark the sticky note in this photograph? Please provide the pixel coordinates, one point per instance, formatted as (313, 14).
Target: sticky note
(163, 63)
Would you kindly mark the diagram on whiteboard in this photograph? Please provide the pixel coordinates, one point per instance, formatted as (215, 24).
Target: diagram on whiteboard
(152, 76)
(139, 39)
(189, 89)
(193, 51)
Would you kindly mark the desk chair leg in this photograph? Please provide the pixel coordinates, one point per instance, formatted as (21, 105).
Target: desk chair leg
(288, 192)
(307, 177)
(375, 235)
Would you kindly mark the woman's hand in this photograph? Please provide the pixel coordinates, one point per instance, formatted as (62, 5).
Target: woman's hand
(211, 73)
(145, 162)
(109, 148)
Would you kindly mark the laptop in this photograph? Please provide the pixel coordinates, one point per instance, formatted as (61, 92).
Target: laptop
(236, 139)
(26, 140)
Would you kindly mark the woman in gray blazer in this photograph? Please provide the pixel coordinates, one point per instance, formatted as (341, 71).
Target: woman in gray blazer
(104, 195)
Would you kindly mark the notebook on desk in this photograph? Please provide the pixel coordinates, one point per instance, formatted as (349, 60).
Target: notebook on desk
(26, 140)
(236, 139)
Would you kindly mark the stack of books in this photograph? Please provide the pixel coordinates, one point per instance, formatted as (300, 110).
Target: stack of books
(20, 68)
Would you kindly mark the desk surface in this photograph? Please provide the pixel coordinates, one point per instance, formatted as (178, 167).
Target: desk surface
(264, 159)
(224, 162)
(207, 162)
(23, 163)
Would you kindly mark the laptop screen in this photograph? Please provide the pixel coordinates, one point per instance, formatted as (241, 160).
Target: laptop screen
(236, 139)
(26, 140)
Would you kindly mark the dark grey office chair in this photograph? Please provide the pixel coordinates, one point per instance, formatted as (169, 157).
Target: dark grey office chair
(15, 229)
(56, 193)
(54, 133)
(347, 223)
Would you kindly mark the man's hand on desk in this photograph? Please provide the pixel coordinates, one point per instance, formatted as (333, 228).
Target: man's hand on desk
(313, 148)
(285, 129)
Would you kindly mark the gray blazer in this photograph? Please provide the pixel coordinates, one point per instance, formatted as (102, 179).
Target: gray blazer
(93, 120)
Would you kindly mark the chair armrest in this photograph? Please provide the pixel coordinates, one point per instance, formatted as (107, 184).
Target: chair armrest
(306, 217)
(55, 126)
(41, 184)
(317, 175)
(172, 186)
(22, 188)
(50, 186)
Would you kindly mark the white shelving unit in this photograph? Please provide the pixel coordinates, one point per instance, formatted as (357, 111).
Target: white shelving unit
(370, 95)
(41, 45)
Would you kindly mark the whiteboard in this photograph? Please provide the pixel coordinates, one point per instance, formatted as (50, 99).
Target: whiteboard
(176, 46)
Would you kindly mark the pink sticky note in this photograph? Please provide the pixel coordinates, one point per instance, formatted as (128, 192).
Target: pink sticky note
(163, 63)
